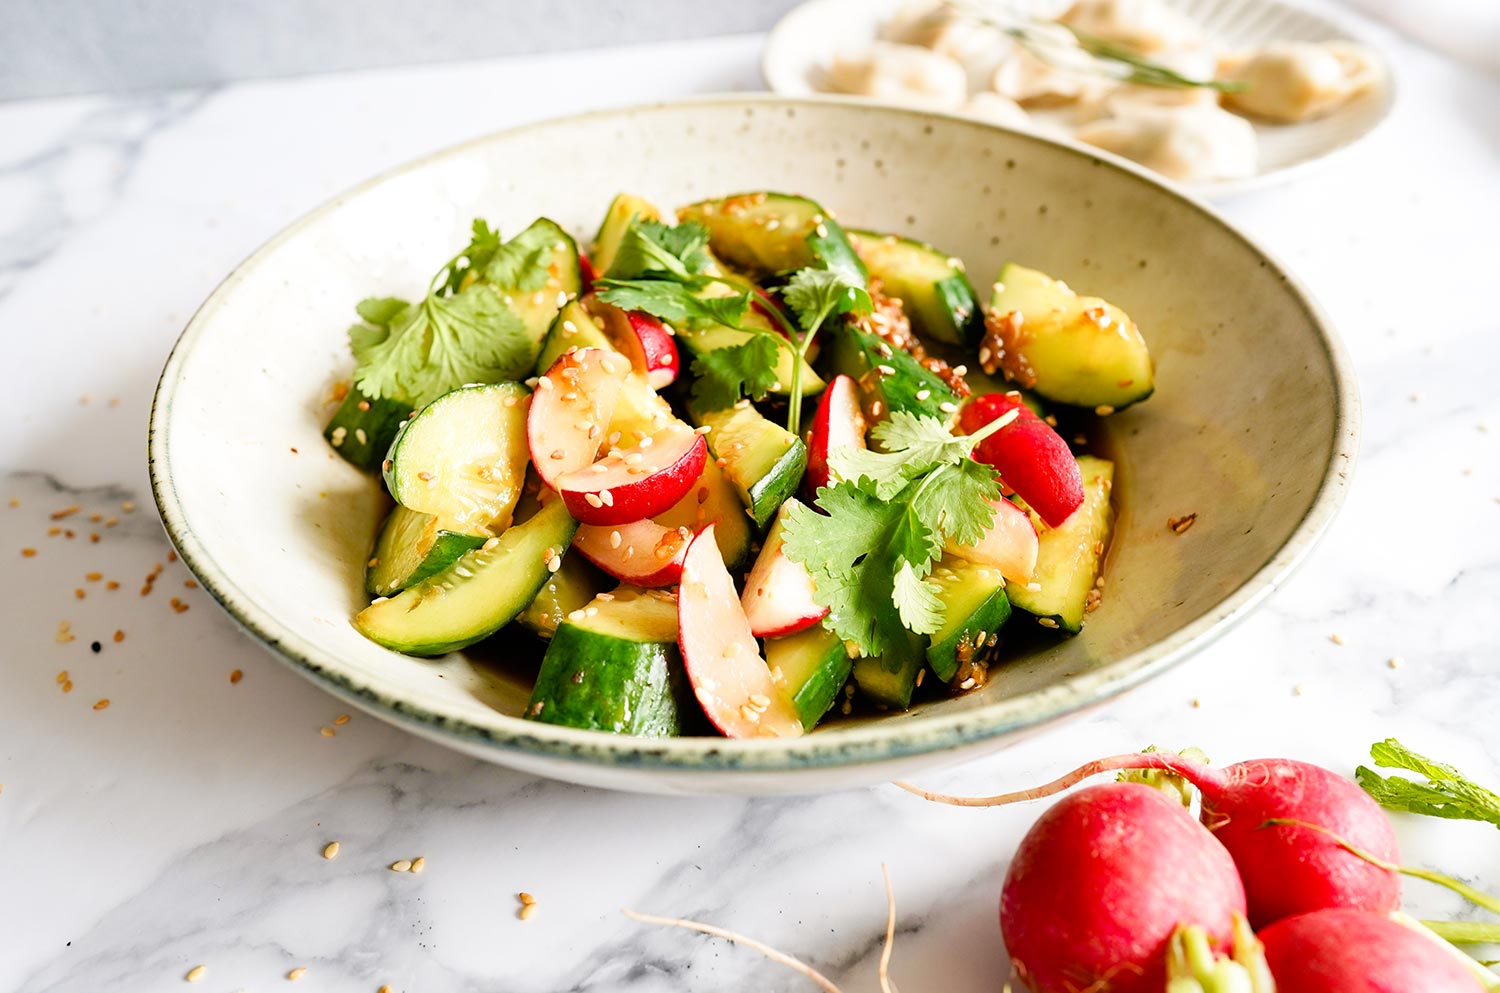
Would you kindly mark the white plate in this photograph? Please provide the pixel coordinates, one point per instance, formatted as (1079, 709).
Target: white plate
(802, 43)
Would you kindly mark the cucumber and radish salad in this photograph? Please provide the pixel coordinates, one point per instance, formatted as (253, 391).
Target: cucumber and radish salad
(733, 463)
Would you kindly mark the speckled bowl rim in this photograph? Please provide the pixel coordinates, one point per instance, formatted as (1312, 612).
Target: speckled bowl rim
(849, 746)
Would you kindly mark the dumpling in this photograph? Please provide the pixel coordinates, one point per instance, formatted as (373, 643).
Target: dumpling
(1186, 144)
(1064, 76)
(1146, 26)
(901, 74)
(1291, 81)
(1193, 63)
(976, 46)
(995, 109)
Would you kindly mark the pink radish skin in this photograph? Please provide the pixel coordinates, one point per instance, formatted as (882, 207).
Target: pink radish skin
(723, 661)
(569, 409)
(839, 423)
(1287, 869)
(778, 597)
(637, 482)
(1100, 883)
(1355, 951)
(645, 553)
(646, 340)
(1010, 545)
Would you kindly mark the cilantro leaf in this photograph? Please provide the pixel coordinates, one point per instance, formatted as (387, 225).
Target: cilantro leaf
(675, 303)
(441, 344)
(653, 248)
(1447, 792)
(913, 446)
(380, 311)
(916, 600)
(957, 500)
(484, 241)
(520, 265)
(814, 295)
(722, 375)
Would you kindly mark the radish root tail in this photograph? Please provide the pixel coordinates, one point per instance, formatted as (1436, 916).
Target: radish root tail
(822, 981)
(1193, 771)
(886, 985)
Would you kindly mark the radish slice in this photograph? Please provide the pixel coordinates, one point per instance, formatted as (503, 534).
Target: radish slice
(642, 553)
(637, 482)
(570, 409)
(1010, 545)
(839, 423)
(1030, 456)
(651, 347)
(722, 658)
(778, 596)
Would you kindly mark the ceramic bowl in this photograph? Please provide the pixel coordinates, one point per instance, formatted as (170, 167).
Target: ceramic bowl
(800, 47)
(1252, 427)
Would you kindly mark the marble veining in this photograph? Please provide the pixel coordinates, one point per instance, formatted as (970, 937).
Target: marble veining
(184, 823)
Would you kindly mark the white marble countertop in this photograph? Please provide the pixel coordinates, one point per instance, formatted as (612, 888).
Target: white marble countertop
(184, 823)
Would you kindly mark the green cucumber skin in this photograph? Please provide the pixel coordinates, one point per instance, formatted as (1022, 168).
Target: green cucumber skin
(961, 304)
(586, 333)
(777, 486)
(447, 548)
(937, 296)
(510, 573)
(890, 679)
(833, 251)
(858, 354)
(570, 588)
(734, 238)
(1066, 573)
(942, 655)
(378, 425)
(610, 684)
(776, 483)
(817, 658)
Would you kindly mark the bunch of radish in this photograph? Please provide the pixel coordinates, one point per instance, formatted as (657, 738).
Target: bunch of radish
(1118, 888)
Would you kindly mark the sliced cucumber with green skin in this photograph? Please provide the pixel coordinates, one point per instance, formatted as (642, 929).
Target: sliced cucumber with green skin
(889, 378)
(537, 289)
(624, 208)
(463, 458)
(1072, 349)
(573, 327)
(477, 595)
(363, 434)
(412, 546)
(890, 679)
(763, 460)
(1071, 556)
(774, 232)
(615, 669)
(975, 607)
(810, 667)
(930, 284)
(701, 341)
(570, 588)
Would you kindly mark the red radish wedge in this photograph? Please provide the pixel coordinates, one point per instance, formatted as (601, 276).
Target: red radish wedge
(1010, 545)
(1287, 868)
(778, 597)
(642, 553)
(1100, 883)
(722, 658)
(634, 483)
(839, 423)
(1355, 951)
(570, 408)
(646, 340)
(1032, 459)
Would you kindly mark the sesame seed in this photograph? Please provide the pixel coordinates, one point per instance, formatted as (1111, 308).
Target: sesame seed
(401, 865)
(1395, 661)
(331, 850)
(760, 700)
(58, 515)
(297, 973)
(64, 632)
(341, 720)
(923, 394)
(555, 563)
(607, 497)
(385, 989)
(1336, 638)
(489, 544)
(527, 909)
(615, 539)
(732, 649)
(593, 500)
(327, 732)
(1046, 622)
(361, 437)
(749, 713)
(1298, 690)
(947, 407)
(545, 383)
(236, 676)
(101, 703)
(196, 973)
(419, 863)
(112, 585)
(27, 553)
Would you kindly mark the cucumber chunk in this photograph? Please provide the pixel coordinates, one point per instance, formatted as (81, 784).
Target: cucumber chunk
(477, 595)
(974, 606)
(463, 458)
(889, 378)
(1071, 556)
(571, 587)
(763, 460)
(573, 327)
(362, 430)
(930, 284)
(1069, 348)
(412, 546)
(768, 233)
(615, 669)
(701, 341)
(890, 679)
(534, 273)
(623, 209)
(810, 667)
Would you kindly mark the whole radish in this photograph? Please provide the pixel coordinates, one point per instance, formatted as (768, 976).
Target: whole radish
(1287, 868)
(1101, 882)
(1354, 951)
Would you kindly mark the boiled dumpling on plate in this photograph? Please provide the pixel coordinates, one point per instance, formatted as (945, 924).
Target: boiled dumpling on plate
(1186, 144)
(1291, 81)
(903, 74)
(1192, 63)
(1062, 77)
(995, 109)
(1147, 26)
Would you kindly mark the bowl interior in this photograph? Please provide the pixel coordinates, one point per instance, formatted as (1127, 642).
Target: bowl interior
(1249, 414)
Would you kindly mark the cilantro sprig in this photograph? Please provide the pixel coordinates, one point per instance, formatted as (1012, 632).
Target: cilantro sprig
(460, 332)
(887, 521)
(666, 271)
(1447, 792)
